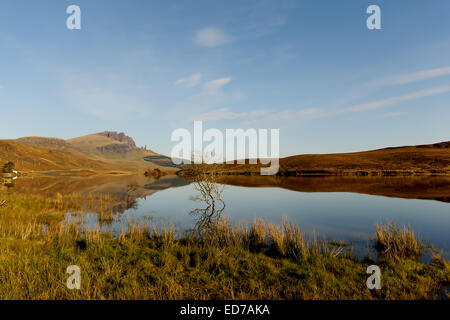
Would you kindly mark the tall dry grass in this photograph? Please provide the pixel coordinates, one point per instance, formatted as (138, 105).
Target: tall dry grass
(398, 242)
(285, 240)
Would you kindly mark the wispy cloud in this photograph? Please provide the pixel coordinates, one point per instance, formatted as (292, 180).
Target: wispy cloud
(189, 82)
(214, 85)
(392, 114)
(394, 100)
(227, 114)
(210, 96)
(418, 76)
(211, 37)
(211, 89)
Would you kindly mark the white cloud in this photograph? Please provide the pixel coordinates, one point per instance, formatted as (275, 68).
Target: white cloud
(214, 85)
(423, 75)
(210, 94)
(226, 114)
(211, 37)
(394, 100)
(189, 82)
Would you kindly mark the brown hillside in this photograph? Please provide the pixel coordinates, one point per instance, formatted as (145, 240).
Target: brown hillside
(415, 158)
(111, 147)
(32, 158)
(411, 160)
(51, 143)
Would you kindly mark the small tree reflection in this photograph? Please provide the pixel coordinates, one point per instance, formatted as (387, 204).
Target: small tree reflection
(210, 194)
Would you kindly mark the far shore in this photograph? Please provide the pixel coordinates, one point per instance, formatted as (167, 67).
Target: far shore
(255, 171)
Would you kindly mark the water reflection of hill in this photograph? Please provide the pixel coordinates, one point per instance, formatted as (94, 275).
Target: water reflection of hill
(165, 183)
(432, 188)
(122, 191)
(140, 185)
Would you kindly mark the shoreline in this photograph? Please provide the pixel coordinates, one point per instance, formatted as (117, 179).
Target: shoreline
(323, 173)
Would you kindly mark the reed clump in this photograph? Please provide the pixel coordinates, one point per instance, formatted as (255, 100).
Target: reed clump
(393, 241)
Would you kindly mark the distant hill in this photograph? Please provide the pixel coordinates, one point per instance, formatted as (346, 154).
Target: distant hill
(111, 146)
(408, 160)
(112, 151)
(33, 158)
(117, 147)
(51, 143)
(103, 151)
(432, 158)
(105, 144)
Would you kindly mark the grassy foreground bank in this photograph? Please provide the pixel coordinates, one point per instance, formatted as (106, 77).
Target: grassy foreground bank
(261, 261)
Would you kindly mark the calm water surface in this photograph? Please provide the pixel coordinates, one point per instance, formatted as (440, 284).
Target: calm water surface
(346, 216)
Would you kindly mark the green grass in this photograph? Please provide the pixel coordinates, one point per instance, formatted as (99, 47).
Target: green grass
(260, 261)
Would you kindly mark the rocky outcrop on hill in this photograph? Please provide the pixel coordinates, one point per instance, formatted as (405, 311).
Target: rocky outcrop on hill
(121, 137)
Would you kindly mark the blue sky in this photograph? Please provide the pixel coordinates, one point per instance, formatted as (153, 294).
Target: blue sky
(310, 68)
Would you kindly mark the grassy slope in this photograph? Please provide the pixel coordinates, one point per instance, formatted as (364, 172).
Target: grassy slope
(32, 158)
(44, 142)
(426, 159)
(414, 158)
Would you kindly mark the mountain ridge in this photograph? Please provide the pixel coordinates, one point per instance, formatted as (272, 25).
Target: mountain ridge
(102, 151)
